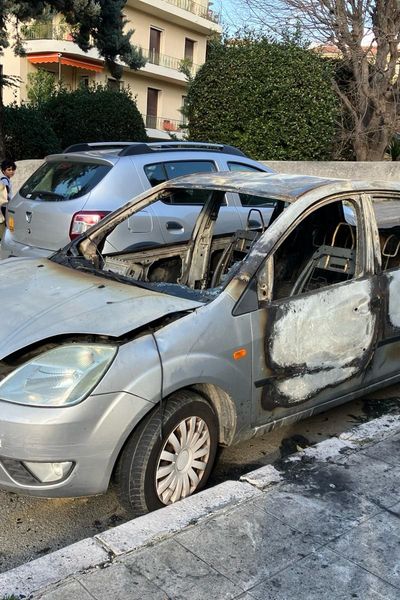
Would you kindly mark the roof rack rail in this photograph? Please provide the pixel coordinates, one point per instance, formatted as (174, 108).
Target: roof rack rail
(198, 145)
(145, 148)
(135, 148)
(87, 146)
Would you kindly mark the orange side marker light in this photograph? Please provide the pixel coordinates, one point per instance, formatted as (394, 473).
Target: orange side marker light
(238, 354)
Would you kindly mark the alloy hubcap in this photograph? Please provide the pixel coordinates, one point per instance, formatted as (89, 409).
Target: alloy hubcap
(183, 460)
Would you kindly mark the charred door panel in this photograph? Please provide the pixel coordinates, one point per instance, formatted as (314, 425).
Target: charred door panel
(318, 345)
(388, 348)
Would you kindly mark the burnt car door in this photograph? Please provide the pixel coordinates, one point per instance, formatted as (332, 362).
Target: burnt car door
(386, 208)
(314, 337)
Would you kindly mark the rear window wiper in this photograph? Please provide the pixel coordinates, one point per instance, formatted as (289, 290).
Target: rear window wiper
(45, 195)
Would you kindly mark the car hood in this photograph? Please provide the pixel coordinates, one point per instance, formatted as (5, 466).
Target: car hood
(41, 299)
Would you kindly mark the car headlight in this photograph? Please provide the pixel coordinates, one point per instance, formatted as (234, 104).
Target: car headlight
(60, 377)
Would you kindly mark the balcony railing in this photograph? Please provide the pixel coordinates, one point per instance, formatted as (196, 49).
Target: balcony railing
(171, 62)
(196, 9)
(164, 123)
(47, 31)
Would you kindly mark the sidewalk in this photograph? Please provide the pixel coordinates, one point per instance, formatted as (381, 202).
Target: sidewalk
(322, 525)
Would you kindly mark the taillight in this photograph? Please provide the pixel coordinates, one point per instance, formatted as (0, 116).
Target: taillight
(81, 221)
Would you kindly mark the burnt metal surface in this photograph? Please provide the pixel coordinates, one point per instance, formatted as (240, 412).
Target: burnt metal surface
(318, 341)
(43, 299)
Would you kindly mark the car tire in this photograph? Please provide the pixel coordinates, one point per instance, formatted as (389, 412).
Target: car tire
(159, 468)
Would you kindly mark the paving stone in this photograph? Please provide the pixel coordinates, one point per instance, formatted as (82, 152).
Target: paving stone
(365, 474)
(354, 474)
(324, 576)
(375, 545)
(71, 590)
(247, 544)
(180, 574)
(377, 429)
(162, 523)
(325, 517)
(388, 451)
(52, 568)
(117, 582)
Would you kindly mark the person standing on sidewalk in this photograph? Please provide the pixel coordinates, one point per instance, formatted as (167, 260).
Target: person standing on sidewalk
(8, 168)
(3, 202)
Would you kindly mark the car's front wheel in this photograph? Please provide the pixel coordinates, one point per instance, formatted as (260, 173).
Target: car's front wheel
(159, 466)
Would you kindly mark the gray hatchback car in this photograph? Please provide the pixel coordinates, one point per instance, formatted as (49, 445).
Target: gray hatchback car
(136, 365)
(72, 191)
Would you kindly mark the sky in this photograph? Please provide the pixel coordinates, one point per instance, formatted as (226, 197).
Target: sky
(232, 13)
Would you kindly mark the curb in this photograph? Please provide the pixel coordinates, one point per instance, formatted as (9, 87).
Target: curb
(103, 548)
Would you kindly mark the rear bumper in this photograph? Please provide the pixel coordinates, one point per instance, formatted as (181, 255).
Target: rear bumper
(10, 248)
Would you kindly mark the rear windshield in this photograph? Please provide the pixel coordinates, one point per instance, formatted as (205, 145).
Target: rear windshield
(63, 180)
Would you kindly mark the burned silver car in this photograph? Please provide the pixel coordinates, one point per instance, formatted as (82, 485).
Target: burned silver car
(135, 365)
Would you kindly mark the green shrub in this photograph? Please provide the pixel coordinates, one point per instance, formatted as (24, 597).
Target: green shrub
(27, 134)
(273, 100)
(94, 114)
(41, 86)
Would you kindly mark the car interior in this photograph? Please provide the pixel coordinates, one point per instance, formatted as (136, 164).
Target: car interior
(321, 250)
(198, 267)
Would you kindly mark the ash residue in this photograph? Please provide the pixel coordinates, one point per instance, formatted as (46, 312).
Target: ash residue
(314, 477)
(374, 408)
(293, 444)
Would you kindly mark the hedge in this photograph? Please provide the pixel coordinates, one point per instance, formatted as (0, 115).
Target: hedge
(94, 114)
(27, 134)
(85, 115)
(274, 101)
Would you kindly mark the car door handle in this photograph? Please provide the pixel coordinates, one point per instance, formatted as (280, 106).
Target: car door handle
(254, 224)
(174, 226)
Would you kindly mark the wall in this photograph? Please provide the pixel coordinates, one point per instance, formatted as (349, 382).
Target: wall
(341, 169)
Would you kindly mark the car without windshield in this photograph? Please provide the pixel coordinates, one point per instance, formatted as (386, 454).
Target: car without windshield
(135, 365)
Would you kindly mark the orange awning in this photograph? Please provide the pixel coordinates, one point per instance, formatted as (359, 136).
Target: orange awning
(52, 57)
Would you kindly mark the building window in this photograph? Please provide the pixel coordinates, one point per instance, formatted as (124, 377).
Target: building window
(154, 46)
(84, 80)
(114, 84)
(152, 107)
(189, 49)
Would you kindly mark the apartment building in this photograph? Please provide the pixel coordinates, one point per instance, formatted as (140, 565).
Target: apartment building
(169, 32)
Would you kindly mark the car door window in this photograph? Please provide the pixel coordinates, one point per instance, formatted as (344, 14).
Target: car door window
(190, 197)
(155, 174)
(187, 167)
(321, 251)
(387, 217)
(159, 172)
(235, 166)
